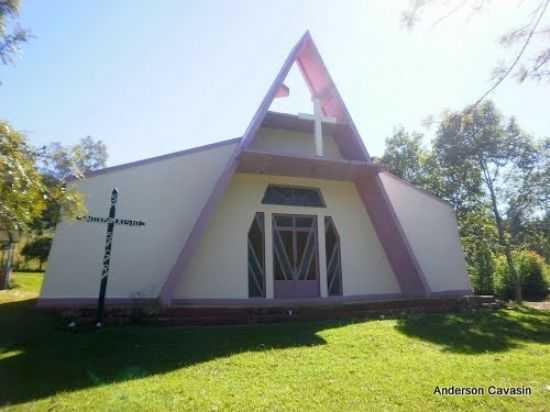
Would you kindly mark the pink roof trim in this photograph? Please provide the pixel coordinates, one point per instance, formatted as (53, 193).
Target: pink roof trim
(271, 93)
(320, 84)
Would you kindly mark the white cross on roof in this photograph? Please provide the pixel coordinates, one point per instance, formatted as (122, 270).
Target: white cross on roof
(318, 118)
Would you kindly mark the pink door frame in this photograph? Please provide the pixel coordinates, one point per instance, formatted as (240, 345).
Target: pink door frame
(296, 288)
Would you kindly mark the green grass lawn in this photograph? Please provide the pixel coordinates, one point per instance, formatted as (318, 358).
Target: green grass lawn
(383, 364)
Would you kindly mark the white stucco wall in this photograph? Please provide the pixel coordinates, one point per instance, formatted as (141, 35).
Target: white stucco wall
(293, 142)
(167, 194)
(431, 228)
(219, 269)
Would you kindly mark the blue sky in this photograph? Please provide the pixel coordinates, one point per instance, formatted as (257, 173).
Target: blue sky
(154, 77)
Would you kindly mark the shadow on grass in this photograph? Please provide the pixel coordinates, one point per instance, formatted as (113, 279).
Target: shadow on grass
(481, 331)
(39, 357)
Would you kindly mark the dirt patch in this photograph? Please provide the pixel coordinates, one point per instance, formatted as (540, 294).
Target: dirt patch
(539, 305)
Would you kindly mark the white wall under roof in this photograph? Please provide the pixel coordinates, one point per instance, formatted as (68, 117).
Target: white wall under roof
(430, 226)
(293, 142)
(219, 269)
(167, 194)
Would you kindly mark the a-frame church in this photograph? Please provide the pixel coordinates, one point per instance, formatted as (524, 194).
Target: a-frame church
(293, 211)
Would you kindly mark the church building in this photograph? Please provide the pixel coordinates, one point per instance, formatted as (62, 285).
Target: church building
(295, 210)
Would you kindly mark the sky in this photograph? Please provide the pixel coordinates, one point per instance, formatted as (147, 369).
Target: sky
(149, 78)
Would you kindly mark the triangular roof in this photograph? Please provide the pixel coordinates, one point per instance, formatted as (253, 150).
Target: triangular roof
(321, 85)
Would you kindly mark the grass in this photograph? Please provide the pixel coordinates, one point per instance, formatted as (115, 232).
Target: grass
(24, 286)
(383, 364)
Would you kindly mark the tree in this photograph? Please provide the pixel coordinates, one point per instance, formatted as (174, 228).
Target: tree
(58, 163)
(23, 193)
(62, 162)
(532, 269)
(21, 189)
(479, 240)
(90, 155)
(10, 42)
(459, 184)
(497, 149)
(38, 248)
(531, 189)
(535, 26)
(404, 155)
(531, 233)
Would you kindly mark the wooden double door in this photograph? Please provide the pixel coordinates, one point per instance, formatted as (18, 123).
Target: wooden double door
(295, 256)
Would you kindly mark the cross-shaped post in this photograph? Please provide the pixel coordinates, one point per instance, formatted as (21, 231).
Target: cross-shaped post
(111, 222)
(318, 118)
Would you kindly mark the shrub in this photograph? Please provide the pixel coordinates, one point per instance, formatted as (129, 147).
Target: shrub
(482, 271)
(533, 268)
(530, 268)
(38, 249)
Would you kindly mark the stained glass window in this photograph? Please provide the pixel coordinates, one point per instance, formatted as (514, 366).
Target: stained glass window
(256, 257)
(334, 259)
(293, 196)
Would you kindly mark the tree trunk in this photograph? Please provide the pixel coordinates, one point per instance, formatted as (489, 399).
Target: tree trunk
(4, 253)
(6, 270)
(505, 245)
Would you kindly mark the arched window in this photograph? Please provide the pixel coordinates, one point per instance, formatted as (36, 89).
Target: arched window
(334, 259)
(256, 257)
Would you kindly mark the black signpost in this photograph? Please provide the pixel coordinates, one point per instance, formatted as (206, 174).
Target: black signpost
(111, 222)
